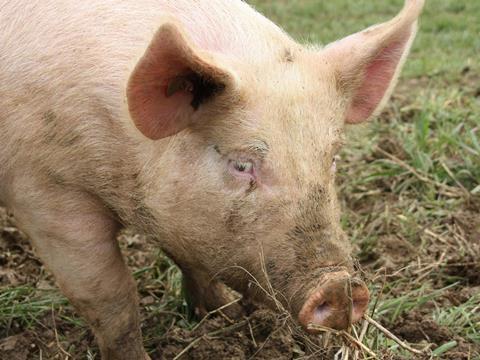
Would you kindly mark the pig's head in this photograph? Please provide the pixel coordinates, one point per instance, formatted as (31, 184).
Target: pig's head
(245, 190)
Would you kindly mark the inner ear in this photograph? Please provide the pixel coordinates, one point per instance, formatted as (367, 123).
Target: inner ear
(200, 87)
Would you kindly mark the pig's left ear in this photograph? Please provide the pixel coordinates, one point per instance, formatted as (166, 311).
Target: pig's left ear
(367, 64)
(172, 83)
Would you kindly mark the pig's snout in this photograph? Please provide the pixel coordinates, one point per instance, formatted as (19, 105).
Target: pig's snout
(337, 302)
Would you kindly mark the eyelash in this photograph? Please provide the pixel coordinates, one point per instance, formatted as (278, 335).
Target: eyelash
(242, 169)
(243, 166)
(334, 162)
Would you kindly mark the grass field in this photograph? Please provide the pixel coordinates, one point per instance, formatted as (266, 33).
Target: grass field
(409, 183)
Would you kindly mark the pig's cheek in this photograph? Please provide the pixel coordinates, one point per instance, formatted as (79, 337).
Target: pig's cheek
(237, 182)
(272, 192)
(271, 186)
(233, 186)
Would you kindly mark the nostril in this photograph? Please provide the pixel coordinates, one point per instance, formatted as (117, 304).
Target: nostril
(360, 299)
(358, 309)
(322, 312)
(321, 307)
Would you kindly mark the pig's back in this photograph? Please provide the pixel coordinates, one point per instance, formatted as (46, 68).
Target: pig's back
(64, 65)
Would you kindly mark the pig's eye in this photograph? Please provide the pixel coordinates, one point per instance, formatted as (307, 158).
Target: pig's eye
(243, 166)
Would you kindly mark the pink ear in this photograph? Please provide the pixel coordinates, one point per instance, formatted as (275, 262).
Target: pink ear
(170, 82)
(367, 63)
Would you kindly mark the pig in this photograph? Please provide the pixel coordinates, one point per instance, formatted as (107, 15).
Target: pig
(200, 124)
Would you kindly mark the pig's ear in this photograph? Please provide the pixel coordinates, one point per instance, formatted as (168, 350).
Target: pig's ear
(172, 82)
(367, 63)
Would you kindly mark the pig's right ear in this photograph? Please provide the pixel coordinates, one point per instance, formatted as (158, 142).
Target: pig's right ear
(171, 82)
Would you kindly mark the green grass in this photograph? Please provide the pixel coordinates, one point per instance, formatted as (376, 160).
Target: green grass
(410, 173)
(26, 305)
(463, 319)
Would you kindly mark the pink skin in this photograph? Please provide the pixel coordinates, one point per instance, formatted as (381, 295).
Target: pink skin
(231, 40)
(326, 305)
(384, 68)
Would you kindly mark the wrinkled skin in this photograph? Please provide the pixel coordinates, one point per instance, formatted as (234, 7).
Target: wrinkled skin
(219, 145)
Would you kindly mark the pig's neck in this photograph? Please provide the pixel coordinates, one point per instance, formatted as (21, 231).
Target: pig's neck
(127, 174)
